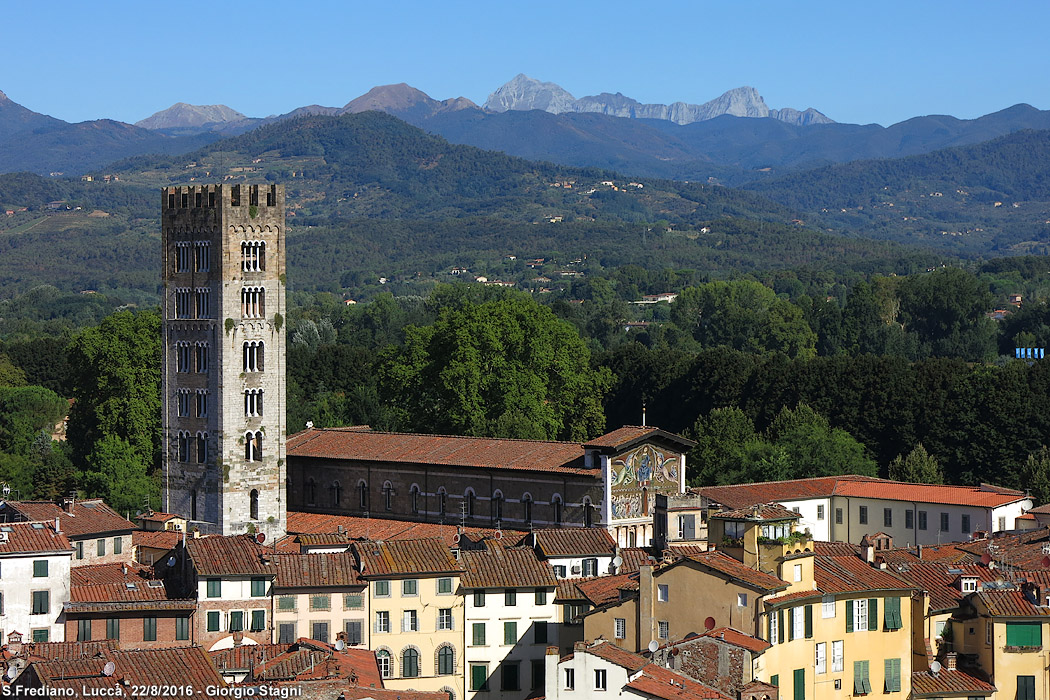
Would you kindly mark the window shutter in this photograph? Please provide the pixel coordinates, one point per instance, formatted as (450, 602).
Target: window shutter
(780, 625)
(769, 636)
(791, 624)
(800, 684)
(849, 615)
(809, 622)
(873, 614)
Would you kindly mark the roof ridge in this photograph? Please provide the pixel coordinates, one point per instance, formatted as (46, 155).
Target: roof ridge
(441, 435)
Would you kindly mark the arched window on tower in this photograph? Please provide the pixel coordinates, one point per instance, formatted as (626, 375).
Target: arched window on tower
(253, 505)
(253, 446)
(202, 448)
(311, 491)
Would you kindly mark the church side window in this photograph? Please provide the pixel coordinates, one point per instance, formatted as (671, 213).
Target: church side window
(183, 302)
(253, 256)
(182, 256)
(201, 256)
(253, 356)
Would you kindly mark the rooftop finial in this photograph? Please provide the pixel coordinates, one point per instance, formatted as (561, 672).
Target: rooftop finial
(643, 414)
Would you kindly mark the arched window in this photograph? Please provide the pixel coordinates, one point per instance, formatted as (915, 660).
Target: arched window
(446, 660)
(253, 302)
(588, 512)
(645, 501)
(556, 505)
(202, 448)
(449, 692)
(413, 494)
(383, 657)
(469, 497)
(442, 501)
(253, 256)
(362, 495)
(253, 505)
(311, 491)
(254, 356)
(253, 402)
(388, 495)
(184, 446)
(337, 493)
(410, 663)
(193, 505)
(497, 506)
(253, 446)
(526, 508)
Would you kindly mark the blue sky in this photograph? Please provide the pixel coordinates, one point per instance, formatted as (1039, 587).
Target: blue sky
(855, 61)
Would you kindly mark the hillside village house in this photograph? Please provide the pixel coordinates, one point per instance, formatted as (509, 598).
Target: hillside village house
(845, 508)
(34, 580)
(610, 482)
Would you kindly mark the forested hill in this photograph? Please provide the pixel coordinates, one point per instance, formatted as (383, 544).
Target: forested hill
(992, 197)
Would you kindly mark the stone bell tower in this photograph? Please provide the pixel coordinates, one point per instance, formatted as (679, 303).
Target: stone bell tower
(223, 381)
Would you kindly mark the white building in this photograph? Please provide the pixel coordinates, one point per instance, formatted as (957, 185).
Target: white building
(35, 559)
(845, 508)
(511, 618)
(576, 552)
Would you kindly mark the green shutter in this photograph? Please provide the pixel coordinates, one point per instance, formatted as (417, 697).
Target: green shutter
(479, 634)
(1026, 688)
(800, 684)
(791, 624)
(849, 615)
(809, 622)
(478, 676)
(893, 614)
(510, 632)
(893, 675)
(1024, 634)
(774, 679)
(861, 683)
(780, 625)
(873, 614)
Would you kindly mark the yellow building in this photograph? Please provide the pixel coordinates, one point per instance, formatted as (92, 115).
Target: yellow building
(417, 613)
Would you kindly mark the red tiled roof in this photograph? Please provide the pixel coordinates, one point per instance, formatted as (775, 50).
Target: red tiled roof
(789, 597)
(316, 570)
(107, 587)
(738, 638)
(497, 566)
(90, 517)
(64, 651)
(33, 538)
(157, 539)
(1011, 604)
(742, 495)
(1045, 508)
(631, 434)
(948, 682)
(405, 557)
(615, 655)
(245, 656)
(360, 528)
(567, 589)
(734, 569)
(574, 542)
(852, 575)
(759, 512)
(446, 450)
(834, 549)
(1018, 550)
(658, 682)
(602, 590)
(323, 539)
(231, 555)
(939, 579)
(154, 516)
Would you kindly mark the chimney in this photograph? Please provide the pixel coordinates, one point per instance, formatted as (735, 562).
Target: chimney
(68, 502)
(14, 643)
(646, 602)
(550, 664)
(238, 638)
(58, 525)
(919, 547)
(867, 549)
(950, 660)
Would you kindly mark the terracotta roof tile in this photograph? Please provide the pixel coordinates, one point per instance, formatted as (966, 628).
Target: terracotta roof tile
(155, 517)
(405, 557)
(447, 450)
(245, 656)
(743, 495)
(628, 435)
(736, 570)
(64, 651)
(107, 587)
(316, 570)
(602, 590)
(159, 539)
(616, 655)
(574, 541)
(567, 589)
(850, 574)
(359, 528)
(1018, 550)
(90, 517)
(658, 682)
(33, 538)
(498, 566)
(948, 682)
(1013, 603)
(231, 555)
(759, 512)
(738, 638)
(939, 579)
(789, 597)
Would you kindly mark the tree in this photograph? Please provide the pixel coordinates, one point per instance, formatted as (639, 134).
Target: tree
(722, 438)
(1035, 475)
(10, 375)
(919, 467)
(24, 413)
(115, 473)
(505, 368)
(814, 448)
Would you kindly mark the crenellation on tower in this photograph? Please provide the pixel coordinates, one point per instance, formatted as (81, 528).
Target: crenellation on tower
(224, 346)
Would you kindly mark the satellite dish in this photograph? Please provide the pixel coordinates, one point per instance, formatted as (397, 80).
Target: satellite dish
(935, 667)
(340, 645)
(617, 561)
(653, 646)
(109, 668)
(986, 558)
(261, 537)
(171, 561)
(455, 538)
(12, 671)
(499, 534)
(709, 624)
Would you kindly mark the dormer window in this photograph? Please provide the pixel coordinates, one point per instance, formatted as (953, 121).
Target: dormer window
(968, 584)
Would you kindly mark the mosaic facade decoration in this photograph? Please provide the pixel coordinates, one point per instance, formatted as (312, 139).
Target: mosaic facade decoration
(637, 476)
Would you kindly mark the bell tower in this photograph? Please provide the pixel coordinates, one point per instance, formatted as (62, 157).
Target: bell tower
(223, 381)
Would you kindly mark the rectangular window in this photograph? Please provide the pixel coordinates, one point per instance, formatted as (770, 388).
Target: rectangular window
(509, 675)
(510, 633)
(988, 632)
(353, 601)
(820, 660)
(799, 684)
(590, 567)
(600, 679)
(321, 602)
(1002, 522)
(741, 600)
(620, 627)
(213, 621)
(286, 602)
(1026, 688)
(922, 520)
(201, 357)
(214, 588)
(444, 621)
(838, 516)
(40, 568)
(319, 631)
(286, 633)
(965, 524)
(774, 627)
(662, 592)
(83, 630)
(559, 571)
(42, 634)
(945, 523)
(258, 621)
(382, 589)
(383, 621)
(893, 614)
(664, 629)
(113, 628)
(540, 632)
(837, 659)
(820, 511)
(100, 548)
(41, 602)
(909, 519)
(539, 674)
(1024, 634)
(861, 683)
(79, 546)
(410, 587)
(479, 677)
(541, 596)
(478, 636)
(860, 615)
(887, 517)
(444, 585)
(149, 629)
(892, 676)
(258, 587)
(118, 545)
(797, 572)
(570, 679)
(863, 515)
(236, 620)
(182, 628)
(510, 597)
(797, 623)
(827, 606)
(354, 632)
(409, 621)
(479, 599)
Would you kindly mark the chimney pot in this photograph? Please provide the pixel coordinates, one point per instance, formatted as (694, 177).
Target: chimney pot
(950, 660)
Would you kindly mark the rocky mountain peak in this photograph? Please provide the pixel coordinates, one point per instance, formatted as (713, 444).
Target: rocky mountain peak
(388, 98)
(3, 97)
(524, 93)
(182, 114)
